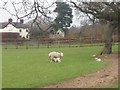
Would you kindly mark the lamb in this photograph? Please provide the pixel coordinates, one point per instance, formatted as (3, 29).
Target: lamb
(98, 59)
(55, 56)
(56, 60)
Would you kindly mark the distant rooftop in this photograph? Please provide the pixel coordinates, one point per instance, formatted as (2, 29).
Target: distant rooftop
(16, 24)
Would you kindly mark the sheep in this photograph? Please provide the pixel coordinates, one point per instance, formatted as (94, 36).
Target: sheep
(98, 59)
(55, 56)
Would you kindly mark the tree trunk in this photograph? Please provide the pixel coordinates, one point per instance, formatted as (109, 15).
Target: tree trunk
(108, 40)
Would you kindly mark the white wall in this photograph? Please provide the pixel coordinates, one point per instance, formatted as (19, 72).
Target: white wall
(59, 34)
(24, 33)
(10, 29)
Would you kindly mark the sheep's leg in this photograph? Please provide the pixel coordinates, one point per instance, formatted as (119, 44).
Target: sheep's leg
(54, 59)
(51, 61)
(59, 61)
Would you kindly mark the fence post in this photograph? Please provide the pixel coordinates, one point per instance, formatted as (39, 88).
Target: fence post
(48, 45)
(16, 42)
(38, 43)
(58, 42)
(26, 44)
(6, 44)
(69, 44)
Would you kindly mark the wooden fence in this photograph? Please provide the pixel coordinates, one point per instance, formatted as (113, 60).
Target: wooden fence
(47, 42)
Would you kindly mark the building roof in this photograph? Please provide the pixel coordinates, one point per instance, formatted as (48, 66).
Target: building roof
(15, 24)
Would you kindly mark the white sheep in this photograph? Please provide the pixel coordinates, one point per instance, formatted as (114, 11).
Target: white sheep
(55, 56)
(98, 59)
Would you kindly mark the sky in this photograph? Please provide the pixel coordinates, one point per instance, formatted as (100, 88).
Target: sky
(5, 15)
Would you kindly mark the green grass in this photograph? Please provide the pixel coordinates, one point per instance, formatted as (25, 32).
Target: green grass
(116, 84)
(30, 68)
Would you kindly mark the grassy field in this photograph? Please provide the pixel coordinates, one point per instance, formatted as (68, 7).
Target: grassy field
(30, 68)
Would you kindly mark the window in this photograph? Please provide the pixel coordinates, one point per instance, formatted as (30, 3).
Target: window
(20, 30)
(27, 36)
(26, 30)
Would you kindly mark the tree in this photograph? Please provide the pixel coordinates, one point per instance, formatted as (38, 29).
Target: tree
(64, 15)
(106, 11)
(35, 10)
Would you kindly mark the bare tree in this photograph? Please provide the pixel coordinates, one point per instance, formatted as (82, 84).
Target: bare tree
(107, 11)
(38, 11)
(29, 9)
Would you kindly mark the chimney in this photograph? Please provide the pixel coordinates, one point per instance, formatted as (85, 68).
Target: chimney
(21, 21)
(10, 20)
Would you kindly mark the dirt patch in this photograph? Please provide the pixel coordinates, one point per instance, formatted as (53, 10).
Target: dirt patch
(100, 79)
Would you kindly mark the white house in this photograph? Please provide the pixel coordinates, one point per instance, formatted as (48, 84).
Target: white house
(14, 30)
(59, 34)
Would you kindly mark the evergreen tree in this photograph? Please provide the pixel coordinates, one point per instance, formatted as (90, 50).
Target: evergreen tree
(64, 15)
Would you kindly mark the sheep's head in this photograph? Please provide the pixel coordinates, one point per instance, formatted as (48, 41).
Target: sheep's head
(61, 54)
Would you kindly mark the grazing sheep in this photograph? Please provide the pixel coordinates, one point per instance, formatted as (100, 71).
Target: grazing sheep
(55, 56)
(98, 59)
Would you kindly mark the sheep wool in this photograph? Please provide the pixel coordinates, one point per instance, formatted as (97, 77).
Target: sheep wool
(55, 56)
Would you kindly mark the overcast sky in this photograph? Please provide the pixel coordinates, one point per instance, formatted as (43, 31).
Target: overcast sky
(4, 15)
